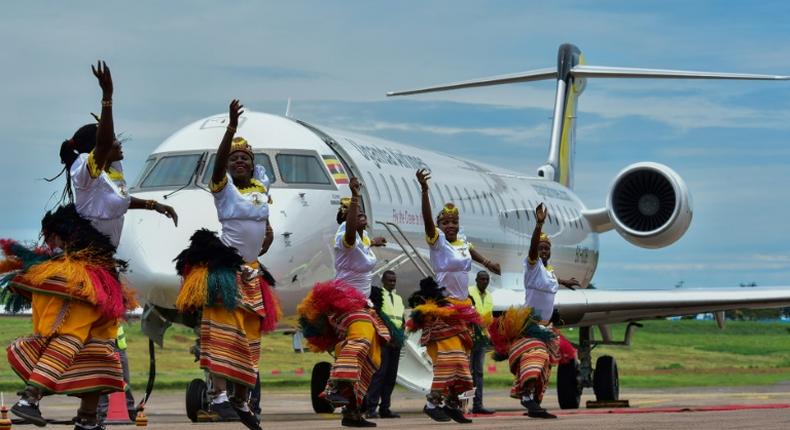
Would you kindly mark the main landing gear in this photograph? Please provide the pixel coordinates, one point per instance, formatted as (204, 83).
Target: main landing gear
(573, 377)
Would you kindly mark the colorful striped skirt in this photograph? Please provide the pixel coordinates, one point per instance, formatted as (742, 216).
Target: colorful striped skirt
(71, 351)
(530, 360)
(358, 355)
(230, 344)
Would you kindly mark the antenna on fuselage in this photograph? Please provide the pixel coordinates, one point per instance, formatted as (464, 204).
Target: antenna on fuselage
(571, 74)
(288, 108)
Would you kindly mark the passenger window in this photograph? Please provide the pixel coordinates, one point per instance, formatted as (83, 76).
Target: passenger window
(496, 205)
(408, 190)
(375, 186)
(260, 158)
(171, 171)
(397, 190)
(301, 169)
(441, 196)
(473, 201)
(386, 188)
(460, 199)
(485, 199)
(525, 208)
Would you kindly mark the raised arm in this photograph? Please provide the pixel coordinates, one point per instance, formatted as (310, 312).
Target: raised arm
(427, 214)
(540, 216)
(105, 135)
(488, 264)
(223, 152)
(352, 215)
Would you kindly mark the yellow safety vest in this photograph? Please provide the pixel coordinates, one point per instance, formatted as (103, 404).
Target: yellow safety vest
(120, 338)
(392, 306)
(484, 305)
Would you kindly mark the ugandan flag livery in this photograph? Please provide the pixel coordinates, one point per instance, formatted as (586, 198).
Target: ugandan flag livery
(336, 168)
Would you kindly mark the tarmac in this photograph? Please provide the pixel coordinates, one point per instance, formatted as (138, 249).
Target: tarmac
(760, 407)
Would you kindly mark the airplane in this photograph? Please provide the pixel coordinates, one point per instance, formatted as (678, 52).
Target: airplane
(648, 204)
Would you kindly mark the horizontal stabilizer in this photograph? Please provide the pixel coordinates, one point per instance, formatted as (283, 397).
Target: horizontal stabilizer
(532, 75)
(584, 71)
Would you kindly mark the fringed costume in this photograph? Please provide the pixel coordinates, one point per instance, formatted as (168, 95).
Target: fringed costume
(449, 322)
(337, 315)
(77, 301)
(450, 329)
(221, 277)
(529, 347)
(237, 304)
(334, 316)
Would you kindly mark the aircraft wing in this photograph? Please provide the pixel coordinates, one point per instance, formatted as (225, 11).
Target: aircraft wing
(584, 307)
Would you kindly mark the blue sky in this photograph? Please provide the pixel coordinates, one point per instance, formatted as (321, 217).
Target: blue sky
(174, 62)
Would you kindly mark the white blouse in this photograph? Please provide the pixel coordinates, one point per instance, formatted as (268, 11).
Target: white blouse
(540, 286)
(354, 264)
(243, 213)
(452, 263)
(104, 199)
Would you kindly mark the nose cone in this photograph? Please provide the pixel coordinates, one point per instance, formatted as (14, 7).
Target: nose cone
(150, 242)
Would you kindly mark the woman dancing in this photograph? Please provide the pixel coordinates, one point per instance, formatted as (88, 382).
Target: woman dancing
(337, 314)
(73, 286)
(223, 278)
(443, 310)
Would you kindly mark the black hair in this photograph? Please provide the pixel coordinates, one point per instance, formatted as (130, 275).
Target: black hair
(429, 290)
(388, 272)
(341, 215)
(83, 141)
(77, 232)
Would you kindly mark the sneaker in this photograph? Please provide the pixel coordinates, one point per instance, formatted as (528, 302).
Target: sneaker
(29, 413)
(530, 404)
(355, 419)
(247, 418)
(483, 411)
(225, 411)
(541, 413)
(82, 425)
(436, 414)
(386, 413)
(456, 415)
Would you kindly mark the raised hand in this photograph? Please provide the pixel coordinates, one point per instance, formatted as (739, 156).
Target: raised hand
(423, 176)
(102, 73)
(234, 112)
(355, 185)
(540, 213)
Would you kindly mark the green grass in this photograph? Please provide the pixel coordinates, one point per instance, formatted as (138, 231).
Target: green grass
(663, 354)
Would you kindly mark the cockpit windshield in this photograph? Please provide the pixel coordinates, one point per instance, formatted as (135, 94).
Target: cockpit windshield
(260, 158)
(171, 171)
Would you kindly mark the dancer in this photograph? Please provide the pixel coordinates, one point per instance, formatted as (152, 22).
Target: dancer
(73, 287)
(337, 315)
(223, 279)
(524, 335)
(442, 309)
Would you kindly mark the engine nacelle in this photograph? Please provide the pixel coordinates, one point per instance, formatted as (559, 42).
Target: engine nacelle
(649, 205)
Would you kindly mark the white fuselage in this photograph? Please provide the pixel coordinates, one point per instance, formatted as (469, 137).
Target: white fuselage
(309, 169)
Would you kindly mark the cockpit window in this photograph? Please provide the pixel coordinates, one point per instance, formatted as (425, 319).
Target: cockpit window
(260, 158)
(301, 169)
(171, 171)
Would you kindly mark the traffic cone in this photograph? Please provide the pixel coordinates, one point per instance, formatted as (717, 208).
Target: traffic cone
(116, 411)
(492, 368)
(5, 422)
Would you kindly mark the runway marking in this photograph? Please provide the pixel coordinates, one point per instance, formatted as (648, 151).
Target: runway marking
(675, 409)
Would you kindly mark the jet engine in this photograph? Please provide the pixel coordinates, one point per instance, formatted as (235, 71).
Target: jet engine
(648, 204)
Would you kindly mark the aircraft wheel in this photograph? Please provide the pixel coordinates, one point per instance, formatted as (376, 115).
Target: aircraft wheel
(196, 399)
(318, 381)
(569, 391)
(606, 381)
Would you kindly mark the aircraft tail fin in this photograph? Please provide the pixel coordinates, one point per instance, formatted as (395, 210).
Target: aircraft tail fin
(571, 74)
